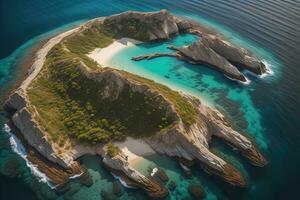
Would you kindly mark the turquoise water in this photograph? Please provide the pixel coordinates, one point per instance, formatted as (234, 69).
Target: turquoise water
(267, 109)
(199, 80)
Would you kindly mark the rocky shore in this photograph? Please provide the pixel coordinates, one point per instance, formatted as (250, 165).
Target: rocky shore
(211, 49)
(188, 143)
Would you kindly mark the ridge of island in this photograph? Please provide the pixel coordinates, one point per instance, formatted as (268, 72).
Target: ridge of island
(70, 106)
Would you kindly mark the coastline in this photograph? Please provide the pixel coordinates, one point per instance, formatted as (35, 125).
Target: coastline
(41, 56)
(103, 56)
(133, 155)
(22, 69)
(135, 149)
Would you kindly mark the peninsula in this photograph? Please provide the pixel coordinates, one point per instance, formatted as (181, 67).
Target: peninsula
(70, 105)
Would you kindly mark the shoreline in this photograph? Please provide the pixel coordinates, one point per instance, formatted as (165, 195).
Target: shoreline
(135, 149)
(103, 56)
(41, 54)
(22, 68)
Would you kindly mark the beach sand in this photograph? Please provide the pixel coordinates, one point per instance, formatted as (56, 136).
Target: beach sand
(135, 149)
(103, 55)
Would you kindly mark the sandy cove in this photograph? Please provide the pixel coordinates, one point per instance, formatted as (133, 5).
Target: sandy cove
(135, 149)
(104, 55)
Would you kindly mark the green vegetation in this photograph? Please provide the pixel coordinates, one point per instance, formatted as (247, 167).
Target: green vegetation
(128, 27)
(87, 41)
(185, 110)
(112, 150)
(73, 105)
(80, 44)
(70, 104)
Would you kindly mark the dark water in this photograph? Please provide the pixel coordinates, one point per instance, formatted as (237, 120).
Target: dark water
(271, 24)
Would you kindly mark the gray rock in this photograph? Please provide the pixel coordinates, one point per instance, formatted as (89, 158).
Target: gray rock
(199, 52)
(234, 54)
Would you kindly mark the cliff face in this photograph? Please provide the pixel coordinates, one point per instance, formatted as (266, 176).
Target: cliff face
(154, 25)
(234, 54)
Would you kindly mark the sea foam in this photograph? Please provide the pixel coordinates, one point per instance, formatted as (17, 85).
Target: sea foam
(18, 148)
(121, 181)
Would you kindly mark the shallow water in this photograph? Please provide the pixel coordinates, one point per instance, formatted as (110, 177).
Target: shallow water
(267, 109)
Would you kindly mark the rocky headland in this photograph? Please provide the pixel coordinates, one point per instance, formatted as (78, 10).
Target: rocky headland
(211, 49)
(86, 103)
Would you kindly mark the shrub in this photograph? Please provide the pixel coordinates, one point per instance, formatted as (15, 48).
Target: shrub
(112, 150)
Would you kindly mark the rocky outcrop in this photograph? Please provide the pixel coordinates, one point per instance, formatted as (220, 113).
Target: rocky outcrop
(58, 176)
(199, 53)
(152, 56)
(217, 53)
(211, 49)
(156, 25)
(234, 54)
(119, 166)
(192, 143)
(196, 191)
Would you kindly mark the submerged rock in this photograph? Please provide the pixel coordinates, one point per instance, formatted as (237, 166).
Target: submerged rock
(161, 174)
(106, 196)
(11, 168)
(172, 185)
(117, 188)
(196, 191)
(86, 178)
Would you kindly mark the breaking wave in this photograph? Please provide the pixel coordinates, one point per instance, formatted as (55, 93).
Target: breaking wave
(18, 148)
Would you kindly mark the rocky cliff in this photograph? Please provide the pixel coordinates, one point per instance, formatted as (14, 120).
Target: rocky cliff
(199, 53)
(234, 54)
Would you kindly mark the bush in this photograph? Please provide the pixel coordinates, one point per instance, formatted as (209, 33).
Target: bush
(112, 150)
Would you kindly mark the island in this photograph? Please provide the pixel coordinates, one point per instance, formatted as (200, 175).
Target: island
(70, 106)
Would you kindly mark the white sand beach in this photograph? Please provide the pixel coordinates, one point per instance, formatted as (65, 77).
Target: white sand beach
(103, 55)
(135, 149)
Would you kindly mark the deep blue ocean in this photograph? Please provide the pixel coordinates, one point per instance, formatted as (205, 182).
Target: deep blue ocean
(267, 109)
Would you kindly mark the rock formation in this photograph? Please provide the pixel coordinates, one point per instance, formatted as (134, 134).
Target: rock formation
(119, 166)
(196, 191)
(211, 49)
(234, 54)
(199, 53)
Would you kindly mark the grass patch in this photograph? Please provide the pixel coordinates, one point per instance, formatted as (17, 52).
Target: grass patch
(127, 27)
(86, 41)
(185, 110)
(112, 150)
